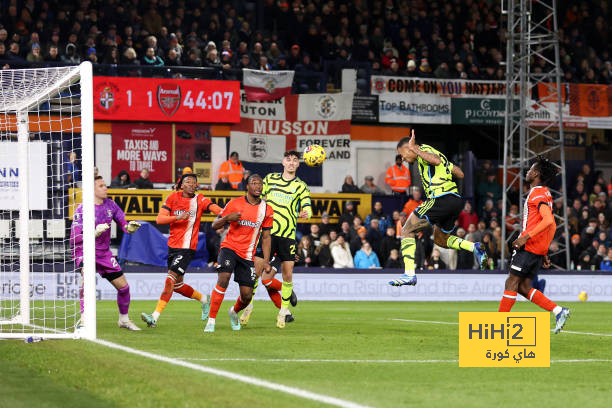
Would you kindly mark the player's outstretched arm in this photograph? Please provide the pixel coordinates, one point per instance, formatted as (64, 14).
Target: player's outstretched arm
(547, 221)
(427, 156)
(164, 217)
(457, 172)
(221, 221)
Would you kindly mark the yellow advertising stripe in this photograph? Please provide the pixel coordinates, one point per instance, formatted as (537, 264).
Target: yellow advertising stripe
(144, 205)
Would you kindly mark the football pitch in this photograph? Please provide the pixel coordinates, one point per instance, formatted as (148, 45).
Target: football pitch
(377, 354)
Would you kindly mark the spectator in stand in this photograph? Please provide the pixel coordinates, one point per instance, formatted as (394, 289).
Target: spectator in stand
(414, 201)
(244, 182)
(143, 181)
(467, 216)
(366, 258)
(370, 188)
(305, 253)
(384, 221)
(513, 219)
(323, 253)
(53, 54)
(315, 235)
(349, 213)
(389, 243)
(488, 211)
(401, 221)
(349, 186)
(122, 180)
(398, 177)
(358, 240)
(223, 184)
(373, 235)
(599, 256)
(232, 169)
(341, 253)
(483, 172)
(347, 232)
(606, 263)
(394, 261)
(434, 261)
(325, 227)
(72, 170)
(489, 189)
(34, 55)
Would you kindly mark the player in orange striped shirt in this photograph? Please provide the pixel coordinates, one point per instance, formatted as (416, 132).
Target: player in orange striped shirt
(183, 211)
(531, 247)
(249, 217)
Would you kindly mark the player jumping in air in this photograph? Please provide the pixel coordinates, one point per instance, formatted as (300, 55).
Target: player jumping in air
(183, 211)
(106, 211)
(289, 197)
(247, 216)
(531, 247)
(441, 208)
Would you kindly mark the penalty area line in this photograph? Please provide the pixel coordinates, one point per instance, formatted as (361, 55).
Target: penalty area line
(288, 360)
(234, 376)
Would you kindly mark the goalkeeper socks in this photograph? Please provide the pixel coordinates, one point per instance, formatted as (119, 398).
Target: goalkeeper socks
(165, 296)
(286, 290)
(239, 305)
(458, 243)
(273, 284)
(408, 251)
(507, 301)
(537, 297)
(123, 299)
(216, 299)
(81, 293)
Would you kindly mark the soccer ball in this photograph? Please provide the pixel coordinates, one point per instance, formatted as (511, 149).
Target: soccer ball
(314, 155)
(583, 296)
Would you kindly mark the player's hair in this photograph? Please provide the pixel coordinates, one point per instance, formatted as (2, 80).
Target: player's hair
(98, 178)
(548, 171)
(292, 153)
(255, 175)
(403, 141)
(183, 177)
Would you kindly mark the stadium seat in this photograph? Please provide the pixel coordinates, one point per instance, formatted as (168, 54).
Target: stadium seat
(35, 229)
(5, 229)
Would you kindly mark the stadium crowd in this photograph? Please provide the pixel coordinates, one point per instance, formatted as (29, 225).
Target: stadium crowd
(441, 38)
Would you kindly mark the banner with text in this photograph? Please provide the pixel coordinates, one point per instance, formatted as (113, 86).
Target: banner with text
(445, 101)
(268, 129)
(37, 176)
(145, 204)
(137, 146)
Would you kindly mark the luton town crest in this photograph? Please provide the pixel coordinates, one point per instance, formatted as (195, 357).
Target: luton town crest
(257, 147)
(169, 98)
(270, 85)
(326, 106)
(107, 98)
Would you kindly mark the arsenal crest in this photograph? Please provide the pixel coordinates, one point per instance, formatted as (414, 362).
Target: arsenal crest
(257, 147)
(169, 98)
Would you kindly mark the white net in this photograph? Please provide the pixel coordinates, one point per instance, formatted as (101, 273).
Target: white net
(41, 162)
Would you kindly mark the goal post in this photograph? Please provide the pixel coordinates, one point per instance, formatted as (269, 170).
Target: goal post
(46, 152)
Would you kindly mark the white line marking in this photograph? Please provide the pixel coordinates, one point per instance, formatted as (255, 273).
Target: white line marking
(456, 323)
(424, 321)
(298, 360)
(238, 377)
(288, 360)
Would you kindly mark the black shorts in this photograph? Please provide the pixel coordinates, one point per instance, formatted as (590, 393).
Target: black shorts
(525, 264)
(179, 259)
(283, 248)
(243, 270)
(275, 261)
(441, 211)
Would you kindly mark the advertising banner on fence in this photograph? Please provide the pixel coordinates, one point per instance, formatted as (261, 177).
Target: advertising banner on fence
(145, 204)
(268, 129)
(370, 286)
(138, 146)
(411, 108)
(9, 176)
(365, 109)
(429, 100)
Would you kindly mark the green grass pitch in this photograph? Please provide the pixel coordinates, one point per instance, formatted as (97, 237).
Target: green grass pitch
(68, 373)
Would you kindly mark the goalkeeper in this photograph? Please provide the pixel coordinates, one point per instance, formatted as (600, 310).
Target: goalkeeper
(106, 211)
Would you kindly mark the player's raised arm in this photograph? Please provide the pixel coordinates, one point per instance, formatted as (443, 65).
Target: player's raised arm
(429, 157)
(221, 221)
(456, 171)
(208, 205)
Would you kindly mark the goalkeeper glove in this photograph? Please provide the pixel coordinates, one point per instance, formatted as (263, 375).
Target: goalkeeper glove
(101, 228)
(132, 227)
